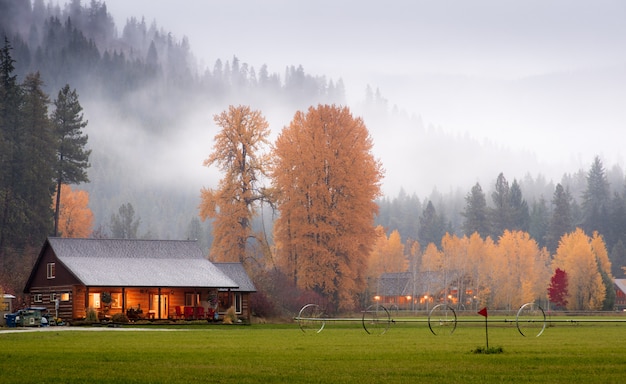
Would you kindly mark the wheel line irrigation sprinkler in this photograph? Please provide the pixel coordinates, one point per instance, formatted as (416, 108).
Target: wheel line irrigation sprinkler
(530, 319)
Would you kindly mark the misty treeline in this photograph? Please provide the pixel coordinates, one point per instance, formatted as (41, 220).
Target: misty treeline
(140, 85)
(40, 150)
(592, 199)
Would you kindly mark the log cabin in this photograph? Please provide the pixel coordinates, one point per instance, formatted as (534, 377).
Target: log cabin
(144, 279)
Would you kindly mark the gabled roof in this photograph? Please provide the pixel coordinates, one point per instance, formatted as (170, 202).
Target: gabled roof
(621, 284)
(236, 272)
(137, 263)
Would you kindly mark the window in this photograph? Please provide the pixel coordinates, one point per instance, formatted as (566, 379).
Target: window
(38, 298)
(51, 270)
(192, 299)
(94, 300)
(116, 300)
(53, 296)
(65, 296)
(238, 303)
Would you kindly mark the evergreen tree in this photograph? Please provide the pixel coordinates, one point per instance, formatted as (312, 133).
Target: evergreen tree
(11, 205)
(432, 226)
(520, 216)
(38, 156)
(123, 223)
(596, 199)
(561, 220)
(476, 213)
(72, 156)
(539, 222)
(501, 214)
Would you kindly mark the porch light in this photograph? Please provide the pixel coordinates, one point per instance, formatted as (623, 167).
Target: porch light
(377, 298)
(408, 297)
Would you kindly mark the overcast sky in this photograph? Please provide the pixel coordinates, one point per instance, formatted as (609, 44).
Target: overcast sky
(548, 76)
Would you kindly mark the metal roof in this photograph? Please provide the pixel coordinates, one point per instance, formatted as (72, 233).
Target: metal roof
(621, 284)
(236, 272)
(139, 263)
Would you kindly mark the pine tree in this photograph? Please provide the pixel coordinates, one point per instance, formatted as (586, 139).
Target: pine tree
(431, 227)
(539, 222)
(72, 156)
(520, 217)
(561, 220)
(596, 199)
(10, 105)
(501, 214)
(123, 224)
(37, 157)
(476, 213)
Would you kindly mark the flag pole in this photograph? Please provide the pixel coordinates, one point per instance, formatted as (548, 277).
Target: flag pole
(483, 312)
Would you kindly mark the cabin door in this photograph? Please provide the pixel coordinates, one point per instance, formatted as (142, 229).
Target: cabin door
(154, 306)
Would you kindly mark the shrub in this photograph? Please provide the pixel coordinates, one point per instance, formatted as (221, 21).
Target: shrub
(120, 318)
(92, 316)
(230, 316)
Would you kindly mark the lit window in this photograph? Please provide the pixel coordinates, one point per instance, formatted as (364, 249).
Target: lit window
(116, 300)
(51, 271)
(94, 300)
(65, 296)
(238, 303)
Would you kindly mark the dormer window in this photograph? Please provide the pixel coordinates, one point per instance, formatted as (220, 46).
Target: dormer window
(51, 271)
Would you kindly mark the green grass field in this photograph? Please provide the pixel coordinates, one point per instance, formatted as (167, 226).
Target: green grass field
(341, 353)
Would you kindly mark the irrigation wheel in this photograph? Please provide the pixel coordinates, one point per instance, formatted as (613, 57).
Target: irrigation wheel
(530, 320)
(442, 319)
(376, 319)
(311, 318)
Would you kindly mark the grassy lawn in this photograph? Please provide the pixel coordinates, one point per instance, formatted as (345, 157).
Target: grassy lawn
(341, 353)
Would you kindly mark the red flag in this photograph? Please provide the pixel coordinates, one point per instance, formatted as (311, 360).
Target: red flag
(483, 312)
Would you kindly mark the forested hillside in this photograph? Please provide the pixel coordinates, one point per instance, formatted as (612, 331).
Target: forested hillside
(150, 107)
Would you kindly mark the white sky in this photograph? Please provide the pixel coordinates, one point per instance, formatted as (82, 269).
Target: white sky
(548, 76)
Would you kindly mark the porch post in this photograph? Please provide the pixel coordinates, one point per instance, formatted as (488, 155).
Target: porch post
(159, 302)
(124, 300)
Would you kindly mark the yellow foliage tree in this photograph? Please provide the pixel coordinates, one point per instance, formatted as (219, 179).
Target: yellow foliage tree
(521, 270)
(387, 254)
(238, 153)
(75, 217)
(326, 180)
(581, 257)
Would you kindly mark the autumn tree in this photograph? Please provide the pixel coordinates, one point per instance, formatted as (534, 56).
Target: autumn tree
(75, 217)
(557, 291)
(238, 152)
(576, 256)
(521, 270)
(387, 254)
(327, 181)
(72, 155)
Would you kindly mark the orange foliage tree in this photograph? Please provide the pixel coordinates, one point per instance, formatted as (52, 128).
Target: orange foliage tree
(238, 153)
(387, 254)
(584, 259)
(521, 271)
(75, 217)
(326, 180)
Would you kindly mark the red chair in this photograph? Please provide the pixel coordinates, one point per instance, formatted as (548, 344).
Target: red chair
(188, 313)
(199, 312)
(179, 312)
